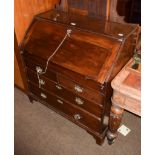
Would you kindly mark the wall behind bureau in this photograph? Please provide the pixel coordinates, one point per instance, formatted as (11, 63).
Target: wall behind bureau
(24, 10)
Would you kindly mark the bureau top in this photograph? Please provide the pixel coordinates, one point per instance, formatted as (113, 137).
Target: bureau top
(91, 24)
(90, 50)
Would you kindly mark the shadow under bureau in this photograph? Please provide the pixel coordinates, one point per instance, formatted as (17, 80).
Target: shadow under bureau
(69, 62)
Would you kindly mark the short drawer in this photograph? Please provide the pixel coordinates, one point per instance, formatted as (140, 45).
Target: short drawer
(70, 110)
(33, 65)
(86, 93)
(65, 94)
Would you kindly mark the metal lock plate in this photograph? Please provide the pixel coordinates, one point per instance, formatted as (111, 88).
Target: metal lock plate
(39, 69)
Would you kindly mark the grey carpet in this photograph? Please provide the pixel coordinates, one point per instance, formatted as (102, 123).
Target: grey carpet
(40, 131)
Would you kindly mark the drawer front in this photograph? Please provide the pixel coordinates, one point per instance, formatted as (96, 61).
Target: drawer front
(71, 111)
(89, 94)
(65, 94)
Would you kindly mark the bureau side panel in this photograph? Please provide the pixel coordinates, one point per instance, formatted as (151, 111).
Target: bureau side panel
(124, 55)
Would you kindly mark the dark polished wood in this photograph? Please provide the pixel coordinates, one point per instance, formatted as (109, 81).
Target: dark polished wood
(31, 98)
(92, 95)
(114, 123)
(61, 91)
(71, 110)
(77, 82)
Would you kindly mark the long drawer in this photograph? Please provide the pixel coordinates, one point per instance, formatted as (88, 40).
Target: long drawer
(70, 110)
(60, 91)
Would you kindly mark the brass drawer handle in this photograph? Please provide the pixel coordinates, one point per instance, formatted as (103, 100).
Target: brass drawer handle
(43, 95)
(77, 117)
(79, 101)
(78, 89)
(41, 82)
(59, 101)
(39, 69)
(58, 87)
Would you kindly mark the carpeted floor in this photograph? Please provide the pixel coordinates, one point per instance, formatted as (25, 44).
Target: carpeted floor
(40, 131)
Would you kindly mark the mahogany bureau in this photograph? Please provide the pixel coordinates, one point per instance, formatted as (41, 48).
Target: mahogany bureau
(70, 60)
